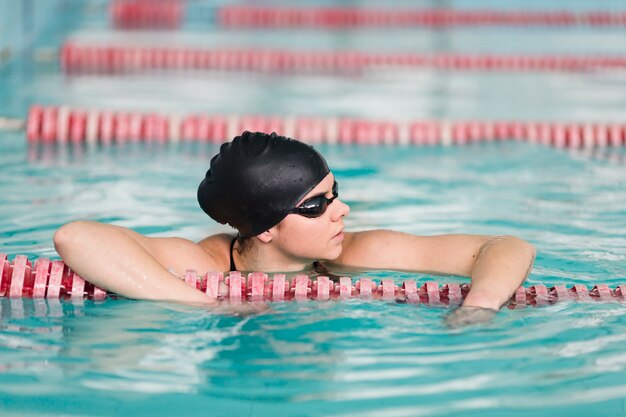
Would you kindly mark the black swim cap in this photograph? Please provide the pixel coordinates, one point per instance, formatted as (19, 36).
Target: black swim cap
(257, 179)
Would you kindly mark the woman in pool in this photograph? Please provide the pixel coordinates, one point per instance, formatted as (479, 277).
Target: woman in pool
(283, 200)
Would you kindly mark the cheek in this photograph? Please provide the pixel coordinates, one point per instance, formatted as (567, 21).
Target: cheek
(305, 236)
(303, 229)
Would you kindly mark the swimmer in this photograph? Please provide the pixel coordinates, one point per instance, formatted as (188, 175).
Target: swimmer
(281, 197)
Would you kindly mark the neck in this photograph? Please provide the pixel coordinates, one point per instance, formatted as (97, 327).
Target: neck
(266, 258)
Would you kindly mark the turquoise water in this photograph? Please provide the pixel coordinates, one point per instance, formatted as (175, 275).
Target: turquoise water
(122, 357)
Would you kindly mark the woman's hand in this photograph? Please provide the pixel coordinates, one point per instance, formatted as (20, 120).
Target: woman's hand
(244, 309)
(467, 316)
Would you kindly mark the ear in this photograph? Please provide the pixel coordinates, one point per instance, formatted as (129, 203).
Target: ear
(266, 237)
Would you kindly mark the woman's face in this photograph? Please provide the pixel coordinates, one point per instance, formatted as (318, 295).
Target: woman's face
(314, 238)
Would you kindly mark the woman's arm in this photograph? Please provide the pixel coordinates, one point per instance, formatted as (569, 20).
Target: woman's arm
(502, 264)
(497, 265)
(129, 264)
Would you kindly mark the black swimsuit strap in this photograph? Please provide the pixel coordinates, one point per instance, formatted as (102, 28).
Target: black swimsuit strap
(322, 270)
(317, 267)
(232, 259)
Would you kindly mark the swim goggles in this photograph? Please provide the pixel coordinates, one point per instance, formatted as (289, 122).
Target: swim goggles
(316, 206)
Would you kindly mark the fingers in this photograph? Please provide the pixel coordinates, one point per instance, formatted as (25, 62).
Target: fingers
(468, 316)
(240, 309)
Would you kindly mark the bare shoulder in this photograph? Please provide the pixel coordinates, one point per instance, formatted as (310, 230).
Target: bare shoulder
(357, 246)
(218, 247)
(178, 254)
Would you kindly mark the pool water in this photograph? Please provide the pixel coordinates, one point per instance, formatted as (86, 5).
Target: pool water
(122, 357)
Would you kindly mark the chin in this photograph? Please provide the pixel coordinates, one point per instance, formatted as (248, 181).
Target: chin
(334, 254)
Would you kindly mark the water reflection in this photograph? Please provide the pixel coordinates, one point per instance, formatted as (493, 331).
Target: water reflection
(112, 345)
(62, 154)
(372, 355)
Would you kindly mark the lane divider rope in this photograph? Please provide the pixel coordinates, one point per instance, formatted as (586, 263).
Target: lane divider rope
(115, 59)
(62, 124)
(246, 16)
(44, 278)
(171, 14)
(147, 14)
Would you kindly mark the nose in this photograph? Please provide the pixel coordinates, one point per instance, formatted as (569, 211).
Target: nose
(339, 210)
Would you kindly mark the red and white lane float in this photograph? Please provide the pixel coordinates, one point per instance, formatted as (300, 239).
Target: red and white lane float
(44, 278)
(147, 14)
(248, 16)
(76, 58)
(71, 125)
(169, 14)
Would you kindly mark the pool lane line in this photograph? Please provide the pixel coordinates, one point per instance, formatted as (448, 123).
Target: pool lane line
(249, 16)
(43, 278)
(62, 124)
(172, 14)
(11, 124)
(110, 59)
(147, 14)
